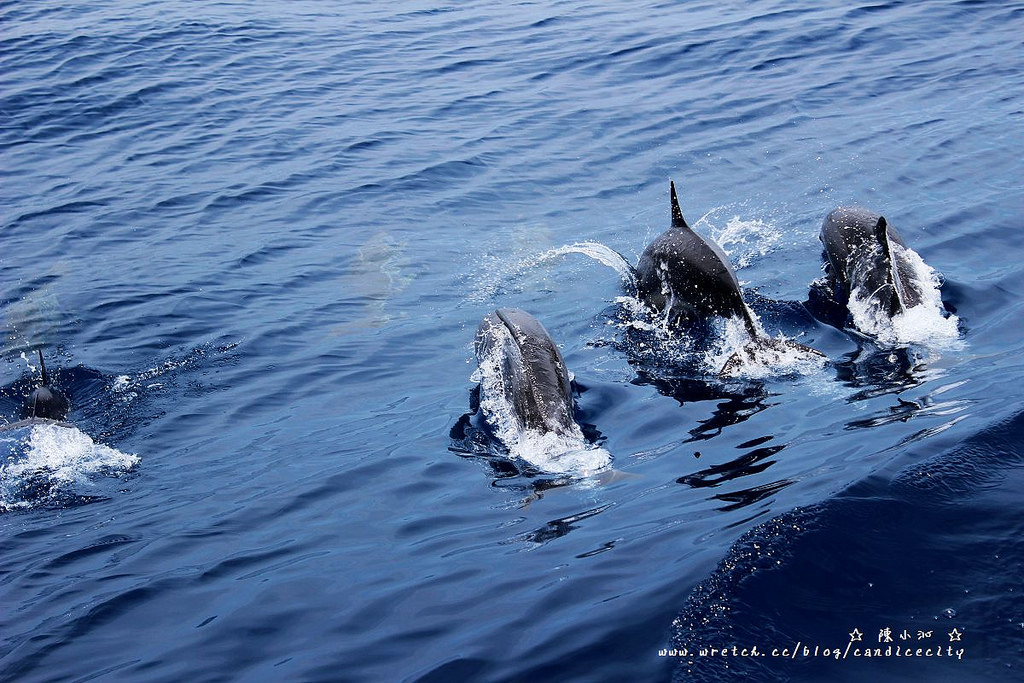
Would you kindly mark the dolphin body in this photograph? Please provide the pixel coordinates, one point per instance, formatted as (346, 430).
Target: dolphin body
(859, 255)
(534, 380)
(690, 280)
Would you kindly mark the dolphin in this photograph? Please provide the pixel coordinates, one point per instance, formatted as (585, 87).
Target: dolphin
(690, 280)
(533, 378)
(859, 254)
(46, 404)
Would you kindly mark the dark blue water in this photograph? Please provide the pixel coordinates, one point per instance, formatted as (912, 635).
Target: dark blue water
(255, 240)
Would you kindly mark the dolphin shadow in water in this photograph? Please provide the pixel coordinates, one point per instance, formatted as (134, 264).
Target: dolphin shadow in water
(733, 404)
(689, 280)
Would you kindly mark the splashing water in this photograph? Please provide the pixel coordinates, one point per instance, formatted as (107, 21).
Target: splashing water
(661, 343)
(651, 337)
(729, 350)
(553, 453)
(606, 256)
(31, 367)
(127, 388)
(46, 462)
(497, 273)
(745, 241)
(736, 355)
(926, 323)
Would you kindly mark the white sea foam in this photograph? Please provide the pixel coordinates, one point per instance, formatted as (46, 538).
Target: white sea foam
(120, 383)
(561, 454)
(32, 368)
(663, 343)
(49, 459)
(659, 342)
(127, 388)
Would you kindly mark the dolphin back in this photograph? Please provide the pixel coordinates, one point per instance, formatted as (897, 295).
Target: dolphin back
(689, 276)
(45, 401)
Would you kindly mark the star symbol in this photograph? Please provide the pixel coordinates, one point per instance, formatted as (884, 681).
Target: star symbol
(954, 635)
(856, 636)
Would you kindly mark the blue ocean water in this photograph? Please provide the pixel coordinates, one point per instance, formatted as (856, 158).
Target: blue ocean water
(255, 240)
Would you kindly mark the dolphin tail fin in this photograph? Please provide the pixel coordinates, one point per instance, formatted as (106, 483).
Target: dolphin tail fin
(748, 323)
(677, 215)
(42, 368)
(768, 351)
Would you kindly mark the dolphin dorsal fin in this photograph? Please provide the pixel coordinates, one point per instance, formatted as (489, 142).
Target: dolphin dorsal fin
(882, 231)
(882, 234)
(677, 215)
(42, 368)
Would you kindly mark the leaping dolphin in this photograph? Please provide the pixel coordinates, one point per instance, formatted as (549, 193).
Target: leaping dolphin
(690, 279)
(860, 257)
(533, 380)
(527, 398)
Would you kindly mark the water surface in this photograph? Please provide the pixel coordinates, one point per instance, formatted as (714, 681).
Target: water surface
(256, 239)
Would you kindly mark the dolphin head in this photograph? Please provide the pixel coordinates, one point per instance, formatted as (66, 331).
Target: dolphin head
(533, 377)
